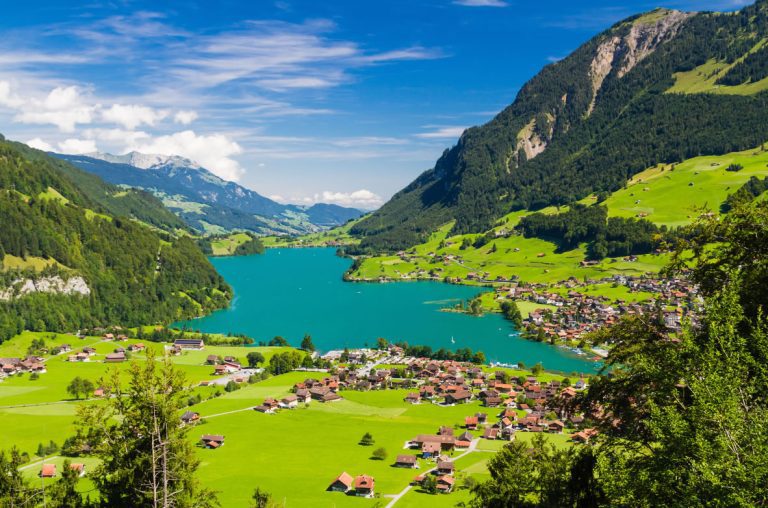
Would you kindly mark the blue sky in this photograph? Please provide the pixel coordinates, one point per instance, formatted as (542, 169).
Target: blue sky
(342, 101)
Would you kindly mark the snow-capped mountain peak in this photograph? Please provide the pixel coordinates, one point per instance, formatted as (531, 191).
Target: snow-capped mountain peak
(145, 161)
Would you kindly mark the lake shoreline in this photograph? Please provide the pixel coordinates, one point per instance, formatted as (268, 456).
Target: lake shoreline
(293, 291)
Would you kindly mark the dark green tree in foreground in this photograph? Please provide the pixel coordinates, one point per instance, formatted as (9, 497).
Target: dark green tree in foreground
(147, 458)
(367, 439)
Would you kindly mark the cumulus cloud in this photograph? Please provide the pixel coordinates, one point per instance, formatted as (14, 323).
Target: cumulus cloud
(481, 3)
(185, 117)
(64, 107)
(362, 198)
(442, 133)
(40, 144)
(125, 137)
(213, 152)
(76, 146)
(7, 98)
(131, 116)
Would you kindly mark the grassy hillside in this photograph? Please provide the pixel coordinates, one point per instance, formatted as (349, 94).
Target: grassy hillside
(674, 196)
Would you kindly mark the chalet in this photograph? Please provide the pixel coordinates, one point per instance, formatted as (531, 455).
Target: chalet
(342, 483)
(330, 397)
(98, 392)
(122, 337)
(465, 436)
(364, 485)
(408, 461)
(445, 484)
(232, 366)
(212, 441)
(491, 433)
(289, 402)
(413, 398)
(445, 467)
(212, 360)
(48, 471)
(89, 350)
(556, 427)
(220, 370)
(79, 468)
(584, 436)
(303, 395)
(109, 336)
(65, 348)
(444, 430)
(427, 392)
(190, 417)
(470, 422)
(445, 442)
(459, 397)
(481, 418)
(264, 409)
(119, 350)
(115, 358)
(193, 344)
(429, 450)
(137, 347)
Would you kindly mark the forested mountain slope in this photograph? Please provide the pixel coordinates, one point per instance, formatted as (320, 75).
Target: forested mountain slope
(622, 102)
(80, 229)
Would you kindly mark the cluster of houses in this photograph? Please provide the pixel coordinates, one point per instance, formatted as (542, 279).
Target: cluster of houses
(361, 485)
(49, 470)
(571, 315)
(225, 365)
(12, 366)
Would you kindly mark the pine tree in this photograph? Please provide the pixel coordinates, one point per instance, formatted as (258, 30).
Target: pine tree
(146, 456)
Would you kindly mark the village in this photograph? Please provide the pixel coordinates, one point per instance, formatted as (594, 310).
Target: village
(511, 405)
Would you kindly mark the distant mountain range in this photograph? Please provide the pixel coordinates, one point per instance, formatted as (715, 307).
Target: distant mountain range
(658, 87)
(206, 202)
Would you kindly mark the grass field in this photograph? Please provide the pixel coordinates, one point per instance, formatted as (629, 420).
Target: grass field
(675, 197)
(227, 246)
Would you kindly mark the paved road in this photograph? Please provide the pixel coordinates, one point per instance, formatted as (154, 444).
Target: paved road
(397, 497)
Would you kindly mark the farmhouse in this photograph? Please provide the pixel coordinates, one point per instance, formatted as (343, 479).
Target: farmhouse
(413, 398)
(364, 485)
(459, 397)
(80, 468)
(342, 483)
(445, 467)
(212, 441)
(193, 344)
(115, 357)
(408, 461)
(289, 402)
(445, 484)
(48, 471)
(190, 417)
(137, 347)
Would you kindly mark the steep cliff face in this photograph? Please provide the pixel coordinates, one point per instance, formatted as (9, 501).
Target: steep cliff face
(585, 124)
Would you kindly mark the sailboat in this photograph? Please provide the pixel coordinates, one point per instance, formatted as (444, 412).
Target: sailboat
(453, 341)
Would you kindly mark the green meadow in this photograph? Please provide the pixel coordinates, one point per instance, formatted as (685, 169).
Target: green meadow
(293, 454)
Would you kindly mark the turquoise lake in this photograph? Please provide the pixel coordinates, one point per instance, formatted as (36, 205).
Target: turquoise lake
(292, 292)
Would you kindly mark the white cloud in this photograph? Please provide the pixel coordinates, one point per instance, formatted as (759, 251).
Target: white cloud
(362, 198)
(40, 144)
(64, 107)
(277, 197)
(77, 146)
(442, 132)
(116, 135)
(185, 117)
(131, 116)
(7, 98)
(213, 152)
(481, 3)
